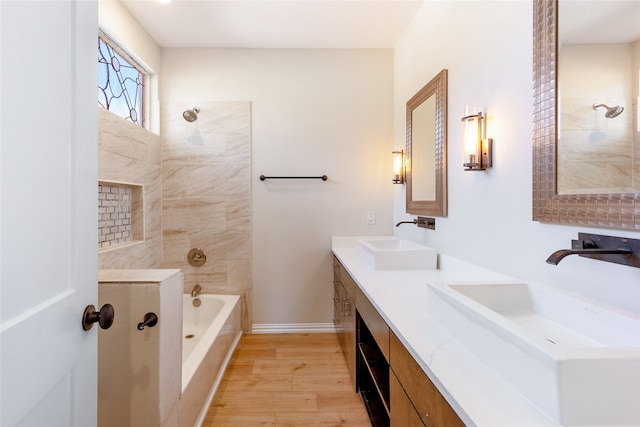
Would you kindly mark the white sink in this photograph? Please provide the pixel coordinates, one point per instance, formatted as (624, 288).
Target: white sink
(575, 360)
(391, 253)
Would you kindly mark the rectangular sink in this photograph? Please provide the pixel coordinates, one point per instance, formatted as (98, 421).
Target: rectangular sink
(391, 253)
(578, 362)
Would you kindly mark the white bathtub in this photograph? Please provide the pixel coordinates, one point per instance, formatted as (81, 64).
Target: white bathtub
(210, 334)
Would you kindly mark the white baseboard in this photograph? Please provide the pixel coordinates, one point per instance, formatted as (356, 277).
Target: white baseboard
(291, 328)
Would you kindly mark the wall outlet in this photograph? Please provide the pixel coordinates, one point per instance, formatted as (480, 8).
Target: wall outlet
(371, 218)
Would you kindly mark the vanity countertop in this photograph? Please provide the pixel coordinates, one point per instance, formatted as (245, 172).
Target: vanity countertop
(476, 393)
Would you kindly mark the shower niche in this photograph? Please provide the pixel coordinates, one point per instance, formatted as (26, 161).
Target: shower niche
(120, 214)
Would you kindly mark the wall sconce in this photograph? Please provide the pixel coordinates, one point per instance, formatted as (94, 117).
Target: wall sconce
(398, 166)
(477, 150)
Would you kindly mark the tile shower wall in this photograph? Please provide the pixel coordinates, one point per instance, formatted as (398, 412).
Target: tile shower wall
(206, 196)
(596, 154)
(129, 153)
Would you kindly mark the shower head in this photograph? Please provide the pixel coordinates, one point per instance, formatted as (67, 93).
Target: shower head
(611, 111)
(191, 115)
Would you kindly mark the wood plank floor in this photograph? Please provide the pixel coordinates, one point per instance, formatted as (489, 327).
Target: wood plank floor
(287, 380)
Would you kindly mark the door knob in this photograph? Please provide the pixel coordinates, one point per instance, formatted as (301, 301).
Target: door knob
(104, 317)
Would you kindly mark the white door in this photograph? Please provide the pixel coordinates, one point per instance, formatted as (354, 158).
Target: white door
(48, 179)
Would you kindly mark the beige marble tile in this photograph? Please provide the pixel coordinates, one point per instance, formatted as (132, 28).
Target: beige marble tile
(211, 283)
(238, 213)
(237, 181)
(194, 148)
(174, 179)
(126, 139)
(140, 366)
(205, 180)
(225, 118)
(247, 303)
(128, 153)
(206, 175)
(238, 149)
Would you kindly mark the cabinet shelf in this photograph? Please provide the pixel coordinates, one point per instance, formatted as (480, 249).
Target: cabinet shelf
(379, 371)
(372, 377)
(377, 417)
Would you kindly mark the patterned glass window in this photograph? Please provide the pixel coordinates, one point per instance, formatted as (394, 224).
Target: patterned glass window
(120, 83)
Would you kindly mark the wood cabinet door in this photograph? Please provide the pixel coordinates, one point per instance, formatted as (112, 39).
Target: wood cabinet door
(402, 412)
(431, 406)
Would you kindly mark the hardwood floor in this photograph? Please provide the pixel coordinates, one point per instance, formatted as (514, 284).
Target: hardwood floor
(287, 380)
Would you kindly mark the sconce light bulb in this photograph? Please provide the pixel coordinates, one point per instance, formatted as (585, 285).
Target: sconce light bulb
(398, 166)
(473, 154)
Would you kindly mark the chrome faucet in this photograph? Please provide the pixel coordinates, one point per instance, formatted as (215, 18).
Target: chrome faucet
(584, 247)
(196, 291)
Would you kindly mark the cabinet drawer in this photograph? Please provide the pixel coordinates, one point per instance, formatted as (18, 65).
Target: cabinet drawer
(338, 293)
(433, 409)
(348, 283)
(376, 324)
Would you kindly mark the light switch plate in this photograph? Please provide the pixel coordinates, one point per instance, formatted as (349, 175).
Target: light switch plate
(371, 218)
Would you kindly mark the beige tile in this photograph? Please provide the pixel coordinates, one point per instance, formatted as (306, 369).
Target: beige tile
(238, 275)
(194, 148)
(206, 177)
(238, 149)
(128, 153)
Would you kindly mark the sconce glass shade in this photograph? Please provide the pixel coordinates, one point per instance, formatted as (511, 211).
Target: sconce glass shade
(477, 151)
(398, 166)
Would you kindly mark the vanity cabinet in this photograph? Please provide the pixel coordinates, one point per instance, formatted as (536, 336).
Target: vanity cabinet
(344, 317)
(415, 401)
(393, 387)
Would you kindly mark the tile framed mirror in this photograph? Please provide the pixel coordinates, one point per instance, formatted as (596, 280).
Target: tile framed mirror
(553, 201)
(426, 163)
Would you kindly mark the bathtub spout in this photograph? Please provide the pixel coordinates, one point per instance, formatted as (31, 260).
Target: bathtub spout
(196, 291)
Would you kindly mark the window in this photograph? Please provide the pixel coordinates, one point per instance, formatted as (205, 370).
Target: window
(120, 83)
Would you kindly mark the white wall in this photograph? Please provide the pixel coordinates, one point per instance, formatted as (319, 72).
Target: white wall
(487, 48)
(313, 112)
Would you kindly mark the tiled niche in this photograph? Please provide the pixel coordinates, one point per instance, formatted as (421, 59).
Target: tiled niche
(120, 214)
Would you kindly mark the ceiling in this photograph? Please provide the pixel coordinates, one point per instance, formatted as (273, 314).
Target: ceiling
(350, 24)
(597, 22)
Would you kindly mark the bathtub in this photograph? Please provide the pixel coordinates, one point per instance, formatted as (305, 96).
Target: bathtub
(210, 335)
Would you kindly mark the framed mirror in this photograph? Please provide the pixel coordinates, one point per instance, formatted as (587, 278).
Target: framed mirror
(603, 209)
(426, 174)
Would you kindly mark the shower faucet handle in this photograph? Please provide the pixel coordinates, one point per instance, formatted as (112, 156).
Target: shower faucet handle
(196, 257)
